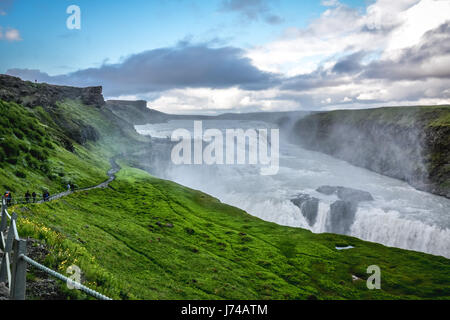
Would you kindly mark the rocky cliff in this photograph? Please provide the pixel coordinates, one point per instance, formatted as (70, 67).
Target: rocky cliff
(407, 143)
(31, 94)
(49, 97)
(136, 112)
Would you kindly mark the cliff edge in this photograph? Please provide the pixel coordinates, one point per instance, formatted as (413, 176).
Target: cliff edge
(31, 94)
(408, 143)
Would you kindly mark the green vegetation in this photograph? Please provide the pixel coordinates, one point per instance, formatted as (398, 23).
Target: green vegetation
(399, 116)
(146, 238)
(33, 155)
(155, 239)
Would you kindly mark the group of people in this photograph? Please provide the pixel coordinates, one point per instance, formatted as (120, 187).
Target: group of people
(28, 197)
(32, 197)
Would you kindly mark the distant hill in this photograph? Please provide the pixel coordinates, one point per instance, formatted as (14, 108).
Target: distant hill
(137, 113)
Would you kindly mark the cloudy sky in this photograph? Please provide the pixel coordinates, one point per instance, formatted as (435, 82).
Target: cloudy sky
(196, 56)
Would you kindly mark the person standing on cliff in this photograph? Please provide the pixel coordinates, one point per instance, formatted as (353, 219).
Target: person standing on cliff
(34, 196)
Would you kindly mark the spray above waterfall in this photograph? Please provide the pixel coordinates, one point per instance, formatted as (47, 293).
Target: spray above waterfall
(387, 211)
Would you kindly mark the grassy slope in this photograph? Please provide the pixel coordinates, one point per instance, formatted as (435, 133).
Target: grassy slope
(407, 116)
(216, 251)
(86, 166)
(57, 166)
(213, 250)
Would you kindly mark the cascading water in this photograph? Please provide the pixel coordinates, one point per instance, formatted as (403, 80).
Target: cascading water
(399, 216)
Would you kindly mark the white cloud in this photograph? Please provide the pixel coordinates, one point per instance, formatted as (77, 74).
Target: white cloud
(386, 26)
(199, 100)
(10, 34)
(330, 3)
(416, 21)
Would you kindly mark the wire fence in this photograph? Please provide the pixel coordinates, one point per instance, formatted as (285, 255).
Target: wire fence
(13, 268)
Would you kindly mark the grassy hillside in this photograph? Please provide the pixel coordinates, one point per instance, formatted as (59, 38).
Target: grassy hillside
(148, 238)
(145, 238)
(34, 154)
(71, 143)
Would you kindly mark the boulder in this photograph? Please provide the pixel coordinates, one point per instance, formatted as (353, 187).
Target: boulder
(308, 205)
(353, 195)
(346, 194)
(328, 190)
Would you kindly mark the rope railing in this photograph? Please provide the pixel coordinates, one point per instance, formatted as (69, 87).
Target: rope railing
(59, 276)
(14, 252)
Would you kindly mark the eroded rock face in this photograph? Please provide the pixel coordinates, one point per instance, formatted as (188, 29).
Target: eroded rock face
(407, 143)
(346, 194)
(341, 217)
(31, 94)
(308, 205)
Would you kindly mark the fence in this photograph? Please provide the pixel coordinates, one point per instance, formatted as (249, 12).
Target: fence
(13, 269)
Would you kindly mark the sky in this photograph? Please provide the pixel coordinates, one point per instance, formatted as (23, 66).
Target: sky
(216, 56)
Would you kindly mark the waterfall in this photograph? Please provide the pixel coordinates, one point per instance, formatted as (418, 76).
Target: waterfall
(399, 215)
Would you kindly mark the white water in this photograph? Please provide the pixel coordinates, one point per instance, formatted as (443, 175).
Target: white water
(400, 216)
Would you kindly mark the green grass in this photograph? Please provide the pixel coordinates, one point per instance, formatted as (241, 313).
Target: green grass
(155, 239)
(146, 238)
(34, 158)
(35, 153)
(400, 116)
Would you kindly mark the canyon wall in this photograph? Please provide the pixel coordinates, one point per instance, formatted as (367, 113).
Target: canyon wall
(407, 143)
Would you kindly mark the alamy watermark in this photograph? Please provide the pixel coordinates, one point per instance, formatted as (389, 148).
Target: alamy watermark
(374, 281)
(74, 20)
(74, 280)
(227, 149)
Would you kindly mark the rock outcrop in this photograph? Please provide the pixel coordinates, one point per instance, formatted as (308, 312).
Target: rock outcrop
(31, 94)
(346, 194)
(343, 211)
(308, 205)
(341, 217)
(136, 112)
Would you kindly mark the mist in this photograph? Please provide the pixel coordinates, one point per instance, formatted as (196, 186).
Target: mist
(398, 216)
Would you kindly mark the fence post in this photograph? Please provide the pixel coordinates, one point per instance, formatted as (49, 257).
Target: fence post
(19, 272)
(4, 222)
(11, 234)
(3, 270)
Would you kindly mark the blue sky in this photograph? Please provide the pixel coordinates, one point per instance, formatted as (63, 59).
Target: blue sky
(197, 56)
(114, 29)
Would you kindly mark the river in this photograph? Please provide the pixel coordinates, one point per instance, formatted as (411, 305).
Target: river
(400, 216)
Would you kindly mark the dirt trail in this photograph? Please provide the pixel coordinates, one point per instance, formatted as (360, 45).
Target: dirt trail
(111, 176)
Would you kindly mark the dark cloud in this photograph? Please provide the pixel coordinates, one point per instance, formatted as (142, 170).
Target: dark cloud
(428, 59)
(319, 78)
(183, 66)
(349, 64)
(252, 10)
(273, 19)
(351, 80)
